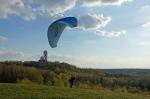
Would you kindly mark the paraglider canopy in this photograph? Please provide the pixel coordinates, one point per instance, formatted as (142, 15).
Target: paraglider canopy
(56, 28)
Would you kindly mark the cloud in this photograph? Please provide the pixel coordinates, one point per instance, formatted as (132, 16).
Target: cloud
(144, 13)
(3, 38)
(99, 3)
(17, 7)
(146, 25)
(52, 8)
(29, 9)
(144, 43)
(9, 54)
(93, 21)
(145, 8)
(110, 34)
(82, 62)
(97, 23)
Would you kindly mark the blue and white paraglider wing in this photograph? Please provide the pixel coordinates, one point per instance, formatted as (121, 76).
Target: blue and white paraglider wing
(56, 28)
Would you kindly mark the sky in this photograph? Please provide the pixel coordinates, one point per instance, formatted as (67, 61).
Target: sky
(110, 33)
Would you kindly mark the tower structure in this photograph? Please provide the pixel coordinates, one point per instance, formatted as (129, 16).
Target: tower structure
(45, 54)
(43, 58)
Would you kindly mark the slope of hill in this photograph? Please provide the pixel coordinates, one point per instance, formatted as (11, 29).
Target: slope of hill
(20, 91)
(67, 75)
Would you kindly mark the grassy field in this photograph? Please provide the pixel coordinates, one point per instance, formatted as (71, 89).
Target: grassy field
(20, 91)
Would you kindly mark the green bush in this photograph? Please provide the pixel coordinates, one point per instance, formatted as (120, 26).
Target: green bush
(25, 81)
(10, 74)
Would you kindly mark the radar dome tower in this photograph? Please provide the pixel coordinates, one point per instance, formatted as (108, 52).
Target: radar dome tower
(45, 54)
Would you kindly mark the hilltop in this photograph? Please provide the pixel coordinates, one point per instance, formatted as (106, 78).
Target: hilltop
(69, 76)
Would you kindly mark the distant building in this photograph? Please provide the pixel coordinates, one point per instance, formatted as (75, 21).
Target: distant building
(44, 57)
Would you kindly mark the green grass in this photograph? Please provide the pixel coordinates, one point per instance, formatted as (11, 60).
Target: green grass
(20, 91)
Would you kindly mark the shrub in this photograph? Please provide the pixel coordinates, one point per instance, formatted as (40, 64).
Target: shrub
(10, 74)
